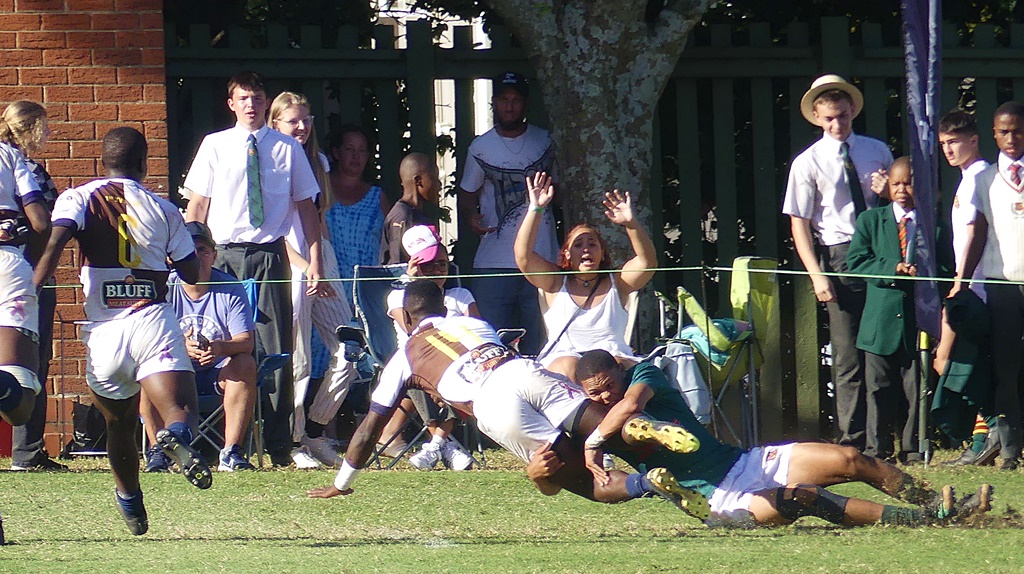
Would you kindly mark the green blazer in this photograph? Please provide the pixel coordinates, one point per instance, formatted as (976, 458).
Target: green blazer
(888, 320)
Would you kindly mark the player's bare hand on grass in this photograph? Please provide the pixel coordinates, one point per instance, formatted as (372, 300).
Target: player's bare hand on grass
(327, 492)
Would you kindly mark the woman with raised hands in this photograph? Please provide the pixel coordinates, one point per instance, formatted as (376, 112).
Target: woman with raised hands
(586, 296)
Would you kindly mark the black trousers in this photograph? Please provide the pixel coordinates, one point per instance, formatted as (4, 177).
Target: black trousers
(1006, 308)
(27, 439)
(268, 262)
(847, 360)
(892, 395)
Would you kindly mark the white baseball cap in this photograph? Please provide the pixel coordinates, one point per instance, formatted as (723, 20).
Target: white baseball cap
(421, 241)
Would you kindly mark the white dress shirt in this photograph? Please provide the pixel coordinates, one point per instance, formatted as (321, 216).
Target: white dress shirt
(818, 189)
(1003, 208)
(218, 172)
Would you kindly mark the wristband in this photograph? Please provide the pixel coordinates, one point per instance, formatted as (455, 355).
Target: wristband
(538, 208)
(346, 476)
(595, 440)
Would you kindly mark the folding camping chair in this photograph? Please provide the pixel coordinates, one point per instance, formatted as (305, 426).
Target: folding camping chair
(727, 350)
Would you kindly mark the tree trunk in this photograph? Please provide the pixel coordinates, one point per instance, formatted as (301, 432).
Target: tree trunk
(602, 66)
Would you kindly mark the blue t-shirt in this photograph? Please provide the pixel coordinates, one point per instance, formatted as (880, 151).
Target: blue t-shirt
(702, 470)
(222, 313)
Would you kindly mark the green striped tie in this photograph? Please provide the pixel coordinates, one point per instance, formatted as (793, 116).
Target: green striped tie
(252, 174)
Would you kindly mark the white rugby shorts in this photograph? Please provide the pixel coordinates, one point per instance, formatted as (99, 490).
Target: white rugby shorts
(521, 406)
(762, 468)
(19, 306)
(121, 352)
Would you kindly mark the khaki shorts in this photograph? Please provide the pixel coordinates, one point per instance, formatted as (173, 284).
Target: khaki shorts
(521, 406)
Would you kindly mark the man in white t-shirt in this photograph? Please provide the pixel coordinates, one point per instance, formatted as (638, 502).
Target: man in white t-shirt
(996, 242)
(246, 183)
(492, 200)
(829, 185)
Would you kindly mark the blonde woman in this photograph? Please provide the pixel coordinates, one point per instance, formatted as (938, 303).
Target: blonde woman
(290, 115)
(24, 126)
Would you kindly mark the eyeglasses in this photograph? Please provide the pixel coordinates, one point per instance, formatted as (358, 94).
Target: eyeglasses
(435, 264)
(307, 121)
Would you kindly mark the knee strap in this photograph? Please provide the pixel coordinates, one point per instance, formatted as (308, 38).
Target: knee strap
(25, 377)
(810, 500)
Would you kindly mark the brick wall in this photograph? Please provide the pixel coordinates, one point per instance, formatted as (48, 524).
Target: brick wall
(95, 65)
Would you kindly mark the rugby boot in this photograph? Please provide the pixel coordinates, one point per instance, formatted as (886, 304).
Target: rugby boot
(671, 436)
(689, 501)
(188, 460)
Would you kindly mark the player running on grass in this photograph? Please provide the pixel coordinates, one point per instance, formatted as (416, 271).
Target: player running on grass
(519, 405)
(764, 486)
(125, 237)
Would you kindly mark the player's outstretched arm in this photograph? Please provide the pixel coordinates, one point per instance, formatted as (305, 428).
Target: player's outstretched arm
(358, 453)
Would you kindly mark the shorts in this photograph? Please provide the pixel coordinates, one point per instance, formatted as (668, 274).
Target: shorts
(762, 468)
(521, 406)
(206, 382)
(121, 352)
(19, 306)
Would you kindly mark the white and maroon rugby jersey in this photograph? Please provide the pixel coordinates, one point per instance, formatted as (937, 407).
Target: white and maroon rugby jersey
(125, 235)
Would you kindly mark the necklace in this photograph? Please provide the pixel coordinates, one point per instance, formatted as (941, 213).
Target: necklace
(585, 282)
(522, 144)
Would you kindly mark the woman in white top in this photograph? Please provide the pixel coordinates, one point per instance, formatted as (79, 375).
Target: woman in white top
(290, 115)
(587, 301)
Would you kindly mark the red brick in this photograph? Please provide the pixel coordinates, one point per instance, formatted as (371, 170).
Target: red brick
(53, 148)
(90, 5)
(57, 112)
(156, 130)
(157, 185)
(91, 75)
(8, 77)
(157, 166)
(154, 93)
(43, 76)
(66, 22)
(157, 147)
(103, 127)
(75, 386)
(24, 57)
(19, 22)
(36, 40)
(8, 40)
(111, 21)
(151, 21)
(39, 5)
(73, 167)
(68, 94)
(66, 57)
(71, 131)
(6, 5)
(153, 57)
(86, 149)
(75, 182)
(146, 75)
(142, 112)
(34, 93)
(140, 39)
(90, 39)
(119, 93)
(138, 5)
(79, 112)
(116, 57)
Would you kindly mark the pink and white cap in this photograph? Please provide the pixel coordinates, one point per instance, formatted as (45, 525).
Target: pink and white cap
(421, 241)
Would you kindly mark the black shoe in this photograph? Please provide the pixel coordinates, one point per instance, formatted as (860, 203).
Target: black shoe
(911, 458)
(967, 458)
(188, 460)
(1009, 464)
(137, 520)
(279, 459)
(40, 462)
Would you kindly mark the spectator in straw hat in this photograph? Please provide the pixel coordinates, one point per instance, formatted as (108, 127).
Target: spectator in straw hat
(829, 185)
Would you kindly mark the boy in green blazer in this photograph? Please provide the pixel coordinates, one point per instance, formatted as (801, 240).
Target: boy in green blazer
(883, 244)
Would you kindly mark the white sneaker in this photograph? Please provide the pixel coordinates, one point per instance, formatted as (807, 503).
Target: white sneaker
(427, 458)
(455, 457)
(304, 460)
(321, 449)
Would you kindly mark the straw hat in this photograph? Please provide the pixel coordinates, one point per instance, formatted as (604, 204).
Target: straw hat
(823, 84)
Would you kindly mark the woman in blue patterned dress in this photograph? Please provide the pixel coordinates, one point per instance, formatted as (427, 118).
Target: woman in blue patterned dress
(355, 221)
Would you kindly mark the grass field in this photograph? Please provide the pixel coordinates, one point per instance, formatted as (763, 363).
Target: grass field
(478, 521)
